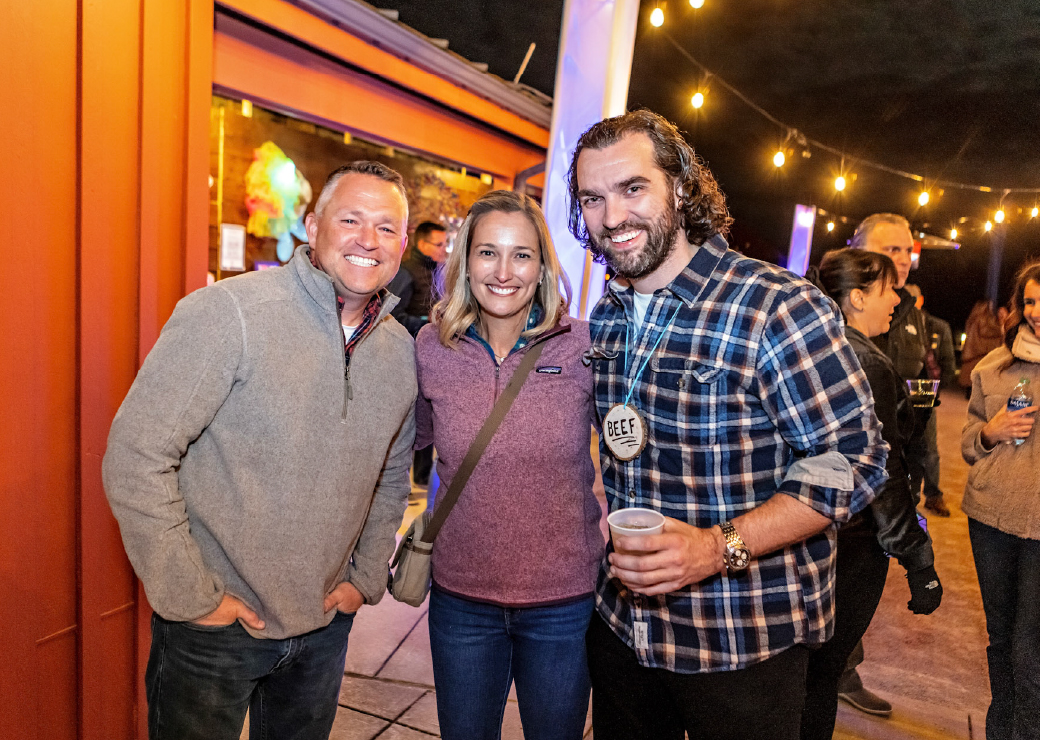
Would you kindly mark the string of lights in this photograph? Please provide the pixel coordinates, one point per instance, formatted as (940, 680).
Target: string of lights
(795, 137)
(794, 133)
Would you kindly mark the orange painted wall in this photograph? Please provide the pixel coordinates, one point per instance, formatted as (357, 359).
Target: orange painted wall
(38, 470)
(104, 188)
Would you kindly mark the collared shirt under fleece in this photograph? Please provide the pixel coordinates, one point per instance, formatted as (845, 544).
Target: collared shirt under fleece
(752, 390)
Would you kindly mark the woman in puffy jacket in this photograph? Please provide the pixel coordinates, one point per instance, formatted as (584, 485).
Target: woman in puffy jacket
(514, 567)
(1002, 501)
(863, 285)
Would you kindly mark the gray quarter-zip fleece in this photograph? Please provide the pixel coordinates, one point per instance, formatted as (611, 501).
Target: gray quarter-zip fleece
(234, 465)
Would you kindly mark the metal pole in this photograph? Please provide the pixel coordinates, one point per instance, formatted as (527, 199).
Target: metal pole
(592, 73)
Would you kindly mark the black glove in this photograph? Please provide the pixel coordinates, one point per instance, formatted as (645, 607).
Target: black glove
(925, 590)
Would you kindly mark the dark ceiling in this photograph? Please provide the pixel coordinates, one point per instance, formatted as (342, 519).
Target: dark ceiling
(947, 89)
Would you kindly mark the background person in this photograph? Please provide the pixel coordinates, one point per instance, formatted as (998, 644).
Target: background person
(414, 284)
(940, 364)
(258, 469)
(862, 284)
(905, 344)
(1002, 501)
(983, 333)
(514, 566)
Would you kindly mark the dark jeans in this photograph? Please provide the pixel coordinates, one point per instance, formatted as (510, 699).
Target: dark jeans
(922, 455)
(422, 461)
(1008, 568)
(201, 680)
(480, 649)
(633, 702)
(859, 581)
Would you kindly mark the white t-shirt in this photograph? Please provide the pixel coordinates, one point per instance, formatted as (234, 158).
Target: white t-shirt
(348, 332)
(641, 302)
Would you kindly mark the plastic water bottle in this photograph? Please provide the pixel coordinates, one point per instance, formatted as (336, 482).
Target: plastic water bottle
(1020, 398)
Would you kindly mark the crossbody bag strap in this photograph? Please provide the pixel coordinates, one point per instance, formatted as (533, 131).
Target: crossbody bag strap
(498, 413)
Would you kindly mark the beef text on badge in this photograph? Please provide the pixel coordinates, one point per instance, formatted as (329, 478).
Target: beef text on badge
(624, 432)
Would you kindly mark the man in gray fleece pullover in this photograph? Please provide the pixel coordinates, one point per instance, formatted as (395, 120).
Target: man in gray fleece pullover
(258, 468)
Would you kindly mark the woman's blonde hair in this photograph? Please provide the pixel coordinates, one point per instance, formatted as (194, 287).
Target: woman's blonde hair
(457, 309)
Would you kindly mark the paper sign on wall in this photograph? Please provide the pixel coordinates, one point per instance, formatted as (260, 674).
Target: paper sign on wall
(232, 247)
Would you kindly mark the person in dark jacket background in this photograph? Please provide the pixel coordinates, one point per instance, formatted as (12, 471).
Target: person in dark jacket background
(863, 285)
(904, 343)
(414, 285)
(941, 365)
(907, 340)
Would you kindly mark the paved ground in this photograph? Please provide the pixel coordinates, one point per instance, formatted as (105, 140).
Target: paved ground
(931, 668)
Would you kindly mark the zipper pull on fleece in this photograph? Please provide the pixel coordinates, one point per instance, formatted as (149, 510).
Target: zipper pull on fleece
(348, 393)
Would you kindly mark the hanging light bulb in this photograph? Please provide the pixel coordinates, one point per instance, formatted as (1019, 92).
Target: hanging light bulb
(999, 216)
(697, 100)
(697, 4)
(839, 183)
(988, 226)
(830, 226)
(779, 159)
(1035, 212)
(657, 18)
(953, 233)
(923, 198)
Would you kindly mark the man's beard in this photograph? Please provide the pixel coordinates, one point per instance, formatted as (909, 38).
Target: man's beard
(661, 234)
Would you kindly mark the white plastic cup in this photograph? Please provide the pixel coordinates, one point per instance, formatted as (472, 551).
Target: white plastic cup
(634, 522)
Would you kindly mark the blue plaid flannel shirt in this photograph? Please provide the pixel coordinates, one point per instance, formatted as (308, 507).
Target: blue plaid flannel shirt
(753, 381)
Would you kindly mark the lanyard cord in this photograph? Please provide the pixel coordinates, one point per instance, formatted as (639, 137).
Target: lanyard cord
(650, 354)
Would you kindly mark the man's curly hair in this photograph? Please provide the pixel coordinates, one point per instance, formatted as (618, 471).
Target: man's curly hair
(703, 206)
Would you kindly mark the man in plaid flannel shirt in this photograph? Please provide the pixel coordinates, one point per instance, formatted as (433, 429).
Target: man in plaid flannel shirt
(760, 440)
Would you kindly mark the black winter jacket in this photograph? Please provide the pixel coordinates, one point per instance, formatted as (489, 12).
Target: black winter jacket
(893, 513)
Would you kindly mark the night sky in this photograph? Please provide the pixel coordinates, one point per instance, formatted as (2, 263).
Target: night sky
(947, 89)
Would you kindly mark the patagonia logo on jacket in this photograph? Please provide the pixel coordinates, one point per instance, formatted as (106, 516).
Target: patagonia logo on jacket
(549, 370)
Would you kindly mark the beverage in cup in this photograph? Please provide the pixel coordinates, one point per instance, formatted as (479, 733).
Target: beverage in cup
(923, 392)
(634, 522)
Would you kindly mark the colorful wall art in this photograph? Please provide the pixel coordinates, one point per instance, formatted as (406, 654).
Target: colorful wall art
(277, 196)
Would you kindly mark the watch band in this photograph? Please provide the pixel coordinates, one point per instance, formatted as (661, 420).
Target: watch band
(737, 555)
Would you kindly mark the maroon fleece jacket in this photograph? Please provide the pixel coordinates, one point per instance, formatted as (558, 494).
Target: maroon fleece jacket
(524, 531)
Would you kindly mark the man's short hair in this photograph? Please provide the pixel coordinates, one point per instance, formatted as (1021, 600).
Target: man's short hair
(426, 228)
(867, 225)
(360, 167)
(703, 206)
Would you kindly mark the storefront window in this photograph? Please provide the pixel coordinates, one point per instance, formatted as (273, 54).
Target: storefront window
(267, 169)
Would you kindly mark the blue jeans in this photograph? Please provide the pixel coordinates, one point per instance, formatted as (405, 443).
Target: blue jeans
(201, 680)
(1009, 578)
(480, 649)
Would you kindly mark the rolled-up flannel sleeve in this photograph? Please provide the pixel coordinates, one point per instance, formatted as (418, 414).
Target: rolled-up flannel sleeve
(369, 561)
(816, 394)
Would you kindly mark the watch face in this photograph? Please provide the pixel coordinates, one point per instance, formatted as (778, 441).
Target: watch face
(739, 558)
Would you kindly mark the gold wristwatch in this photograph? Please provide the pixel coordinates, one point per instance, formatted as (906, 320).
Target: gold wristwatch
(737, 556)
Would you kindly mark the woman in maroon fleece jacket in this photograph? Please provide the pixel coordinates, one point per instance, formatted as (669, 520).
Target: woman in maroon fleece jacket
(514, 567)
